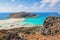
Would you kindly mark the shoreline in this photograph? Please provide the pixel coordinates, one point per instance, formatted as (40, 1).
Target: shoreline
(12, 24)
(11, 20)
(17, 27)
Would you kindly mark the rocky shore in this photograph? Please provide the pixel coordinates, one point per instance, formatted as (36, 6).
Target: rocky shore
(49, 31)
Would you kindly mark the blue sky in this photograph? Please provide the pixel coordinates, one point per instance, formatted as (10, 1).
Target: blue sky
(29, 5)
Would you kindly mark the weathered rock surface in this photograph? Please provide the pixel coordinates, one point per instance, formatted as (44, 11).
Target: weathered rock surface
(13, 36)
(51, 26)
(22, 15)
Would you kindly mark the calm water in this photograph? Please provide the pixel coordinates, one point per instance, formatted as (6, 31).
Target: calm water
(39, 20)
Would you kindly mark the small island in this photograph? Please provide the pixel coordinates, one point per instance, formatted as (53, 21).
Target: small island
(22, 15)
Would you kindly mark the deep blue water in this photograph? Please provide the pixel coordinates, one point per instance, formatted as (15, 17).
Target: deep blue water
(39, 20)
(4, 16)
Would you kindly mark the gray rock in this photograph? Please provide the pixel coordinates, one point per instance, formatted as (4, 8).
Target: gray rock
(51, 25)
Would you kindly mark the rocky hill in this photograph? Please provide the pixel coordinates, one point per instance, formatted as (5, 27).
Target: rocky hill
(51, 26)
(30, 33)
(22, 15)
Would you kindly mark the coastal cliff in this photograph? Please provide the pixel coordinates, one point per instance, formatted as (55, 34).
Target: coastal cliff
(22, 15)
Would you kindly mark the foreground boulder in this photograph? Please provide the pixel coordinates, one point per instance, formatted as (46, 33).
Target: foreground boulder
(51, 26)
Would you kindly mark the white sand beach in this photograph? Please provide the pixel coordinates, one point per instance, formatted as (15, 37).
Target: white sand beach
(12, 20)
(13, 23)
(6, 24)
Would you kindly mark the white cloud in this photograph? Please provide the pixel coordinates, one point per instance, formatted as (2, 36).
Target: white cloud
(12, 0)
(42, 5)
(7, 9)
(53, 5)
(20, 6)
(36, 7)
(59, 11)
(52, 2)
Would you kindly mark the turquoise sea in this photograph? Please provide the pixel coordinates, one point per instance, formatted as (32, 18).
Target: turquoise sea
(39, 20)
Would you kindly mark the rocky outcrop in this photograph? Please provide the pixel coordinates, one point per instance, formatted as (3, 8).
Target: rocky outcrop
(13, 36)
(51, 26)
(22, 15)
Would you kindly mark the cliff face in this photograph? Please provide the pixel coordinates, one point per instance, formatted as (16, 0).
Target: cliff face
(22, 15)
(51, 25)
